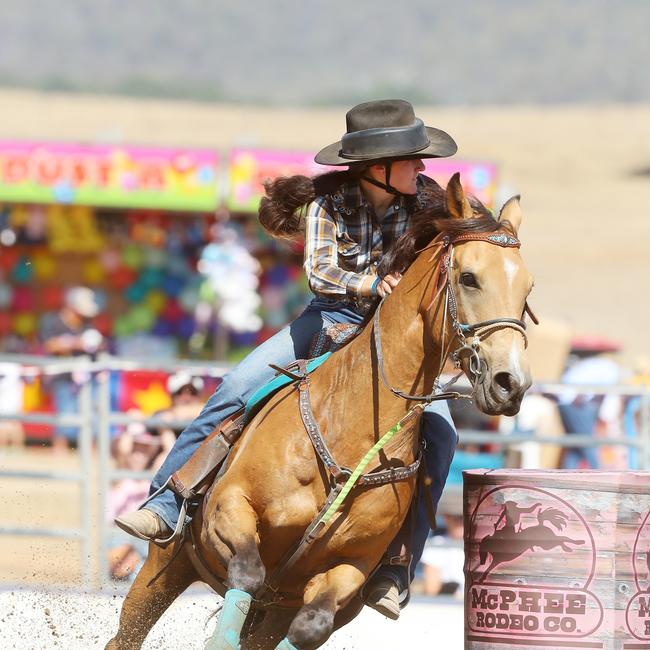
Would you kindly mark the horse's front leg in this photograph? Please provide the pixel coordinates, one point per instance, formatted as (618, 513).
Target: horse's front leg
(231, 530)
(325, 595)
(145, 604)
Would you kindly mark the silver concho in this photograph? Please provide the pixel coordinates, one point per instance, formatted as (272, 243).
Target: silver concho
(503, 240)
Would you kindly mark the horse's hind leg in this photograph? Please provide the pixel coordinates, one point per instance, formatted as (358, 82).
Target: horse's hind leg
(144, 605)
(325, 595)
(232, 532)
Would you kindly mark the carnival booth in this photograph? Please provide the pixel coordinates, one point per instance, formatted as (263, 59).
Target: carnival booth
(167, 239)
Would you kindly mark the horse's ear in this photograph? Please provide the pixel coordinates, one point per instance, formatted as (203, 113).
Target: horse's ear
(511, 212)
(457, 204)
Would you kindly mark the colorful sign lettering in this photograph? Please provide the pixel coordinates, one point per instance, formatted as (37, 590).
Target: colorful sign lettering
(174, 179)
(109, 176)
(637, 612)
(478, 178)
(248, 169)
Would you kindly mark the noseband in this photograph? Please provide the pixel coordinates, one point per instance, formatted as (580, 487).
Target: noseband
(469, 335)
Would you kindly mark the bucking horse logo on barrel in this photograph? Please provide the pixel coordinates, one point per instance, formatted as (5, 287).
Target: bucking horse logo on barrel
(530, 559)
(511, 541)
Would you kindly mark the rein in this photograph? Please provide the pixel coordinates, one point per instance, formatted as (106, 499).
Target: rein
(437, 393)
(477, 331)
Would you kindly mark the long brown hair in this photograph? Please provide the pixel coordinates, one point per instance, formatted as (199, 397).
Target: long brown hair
(282, 209)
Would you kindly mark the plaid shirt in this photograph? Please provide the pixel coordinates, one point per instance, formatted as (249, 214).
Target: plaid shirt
(343, 247)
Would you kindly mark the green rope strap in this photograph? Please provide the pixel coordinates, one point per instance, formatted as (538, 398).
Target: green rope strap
(354, 477)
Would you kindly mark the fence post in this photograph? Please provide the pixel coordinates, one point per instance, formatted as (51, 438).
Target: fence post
(104, 442)
(645, 427)
(84, 413)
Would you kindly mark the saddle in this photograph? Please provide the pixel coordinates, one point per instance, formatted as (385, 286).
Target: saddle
(195, 477)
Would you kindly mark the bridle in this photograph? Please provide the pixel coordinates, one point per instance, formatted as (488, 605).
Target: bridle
(469, 335)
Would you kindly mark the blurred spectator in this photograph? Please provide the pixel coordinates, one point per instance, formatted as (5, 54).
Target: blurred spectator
(582, 412)
(69, 333)
(633, 409)
(473, 456)
(11, 390)
(137, 450)
(185, 390)
(632, 427)
(187, 402)
(443, 559)
(537, 416)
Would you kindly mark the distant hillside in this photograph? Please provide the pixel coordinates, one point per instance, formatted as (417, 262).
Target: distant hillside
(318, 52)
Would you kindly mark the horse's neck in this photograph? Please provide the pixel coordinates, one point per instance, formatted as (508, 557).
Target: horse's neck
(357, 403)
(411, 356)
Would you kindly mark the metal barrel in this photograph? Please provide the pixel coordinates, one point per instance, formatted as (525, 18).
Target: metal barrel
(557, 559)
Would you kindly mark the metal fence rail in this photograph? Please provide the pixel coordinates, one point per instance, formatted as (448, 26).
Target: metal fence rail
(95, 413)
(84, 532)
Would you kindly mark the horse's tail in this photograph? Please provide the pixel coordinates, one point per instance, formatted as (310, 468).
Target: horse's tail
(554, 516)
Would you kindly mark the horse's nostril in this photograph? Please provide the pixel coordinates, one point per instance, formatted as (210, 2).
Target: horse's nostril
(505, 381)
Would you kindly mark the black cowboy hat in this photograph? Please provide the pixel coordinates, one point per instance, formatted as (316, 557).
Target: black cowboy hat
(386, 128)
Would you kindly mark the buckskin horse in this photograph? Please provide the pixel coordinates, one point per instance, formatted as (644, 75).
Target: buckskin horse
(464, 292)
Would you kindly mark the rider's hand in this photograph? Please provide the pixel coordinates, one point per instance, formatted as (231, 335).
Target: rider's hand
(388, 283)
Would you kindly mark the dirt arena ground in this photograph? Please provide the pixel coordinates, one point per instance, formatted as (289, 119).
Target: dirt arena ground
(41, 620)
(35, 503)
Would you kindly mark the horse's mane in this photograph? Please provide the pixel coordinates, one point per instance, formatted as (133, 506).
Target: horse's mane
(430, 222)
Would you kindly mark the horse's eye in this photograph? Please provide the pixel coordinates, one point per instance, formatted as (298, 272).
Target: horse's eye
(468, 280)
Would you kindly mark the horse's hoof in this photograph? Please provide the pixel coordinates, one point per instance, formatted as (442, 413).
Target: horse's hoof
(383, 596)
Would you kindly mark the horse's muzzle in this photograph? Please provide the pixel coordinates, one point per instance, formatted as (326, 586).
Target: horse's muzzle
(501, 393)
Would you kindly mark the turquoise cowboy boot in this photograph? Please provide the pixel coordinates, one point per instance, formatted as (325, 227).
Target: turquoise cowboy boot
(285, 644)
(236, 606)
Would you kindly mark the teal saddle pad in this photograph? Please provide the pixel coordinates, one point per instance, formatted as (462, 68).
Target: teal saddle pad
(262, 395)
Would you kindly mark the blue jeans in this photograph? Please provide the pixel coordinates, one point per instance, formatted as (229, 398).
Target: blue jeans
(243, 380)
(580, 418)
(65, 394)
